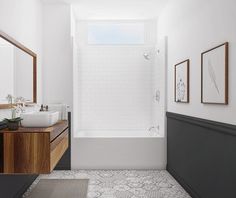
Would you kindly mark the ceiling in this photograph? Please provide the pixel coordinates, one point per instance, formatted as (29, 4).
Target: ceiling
(114, 9)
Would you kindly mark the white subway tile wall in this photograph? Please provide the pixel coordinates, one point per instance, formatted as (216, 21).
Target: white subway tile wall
(114, 83)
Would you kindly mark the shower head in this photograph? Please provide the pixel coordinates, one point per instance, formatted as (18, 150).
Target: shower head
(146, 56)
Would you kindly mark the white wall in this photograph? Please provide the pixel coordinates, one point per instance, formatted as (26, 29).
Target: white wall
(115, 83)
(193, 26)
(58, 55)
(22, 20)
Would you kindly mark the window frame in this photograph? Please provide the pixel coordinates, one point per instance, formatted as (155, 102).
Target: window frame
(118, 22)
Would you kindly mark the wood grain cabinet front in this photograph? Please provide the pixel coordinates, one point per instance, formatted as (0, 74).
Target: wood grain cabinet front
(58, 148)
(34, 150)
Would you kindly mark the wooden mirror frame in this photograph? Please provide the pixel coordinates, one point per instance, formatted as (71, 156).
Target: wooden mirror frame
(31, 53)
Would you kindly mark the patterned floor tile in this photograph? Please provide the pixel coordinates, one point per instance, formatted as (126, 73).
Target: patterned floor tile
(123, 183)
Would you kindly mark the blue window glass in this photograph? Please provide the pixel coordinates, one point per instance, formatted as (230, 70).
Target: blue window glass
(116, 33)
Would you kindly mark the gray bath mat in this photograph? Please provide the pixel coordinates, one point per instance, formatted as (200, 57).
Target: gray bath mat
(60, 188)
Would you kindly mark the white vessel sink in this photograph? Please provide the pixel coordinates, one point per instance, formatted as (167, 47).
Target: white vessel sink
(39, 119)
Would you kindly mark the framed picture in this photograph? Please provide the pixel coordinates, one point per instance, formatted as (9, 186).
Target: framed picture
(182, 82)
(214, 75)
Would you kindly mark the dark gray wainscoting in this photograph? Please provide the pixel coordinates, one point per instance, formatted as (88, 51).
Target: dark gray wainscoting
(201, 155)
(14, 186)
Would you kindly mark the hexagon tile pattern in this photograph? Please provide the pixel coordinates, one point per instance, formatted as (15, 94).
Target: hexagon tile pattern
(123, 183)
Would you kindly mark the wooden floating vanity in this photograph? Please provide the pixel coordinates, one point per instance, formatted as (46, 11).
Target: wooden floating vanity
(33, 150)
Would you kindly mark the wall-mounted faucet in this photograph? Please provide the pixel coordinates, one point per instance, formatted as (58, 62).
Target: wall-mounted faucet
(154, 127)
(154, 130)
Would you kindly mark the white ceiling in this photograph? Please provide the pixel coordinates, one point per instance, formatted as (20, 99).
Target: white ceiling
(115, 9)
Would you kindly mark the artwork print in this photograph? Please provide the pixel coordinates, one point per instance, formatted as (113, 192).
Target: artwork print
(214, 78)
(182, 82)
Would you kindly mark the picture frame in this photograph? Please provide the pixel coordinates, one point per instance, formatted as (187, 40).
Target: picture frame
(214, 75)
(182, 81)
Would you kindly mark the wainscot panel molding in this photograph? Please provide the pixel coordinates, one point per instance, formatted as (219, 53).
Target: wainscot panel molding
(201, 155)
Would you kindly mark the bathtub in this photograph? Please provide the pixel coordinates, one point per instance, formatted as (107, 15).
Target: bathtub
(117, 134)
(118, 149)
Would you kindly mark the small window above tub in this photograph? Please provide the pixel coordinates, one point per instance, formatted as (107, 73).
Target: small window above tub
(114, 33)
